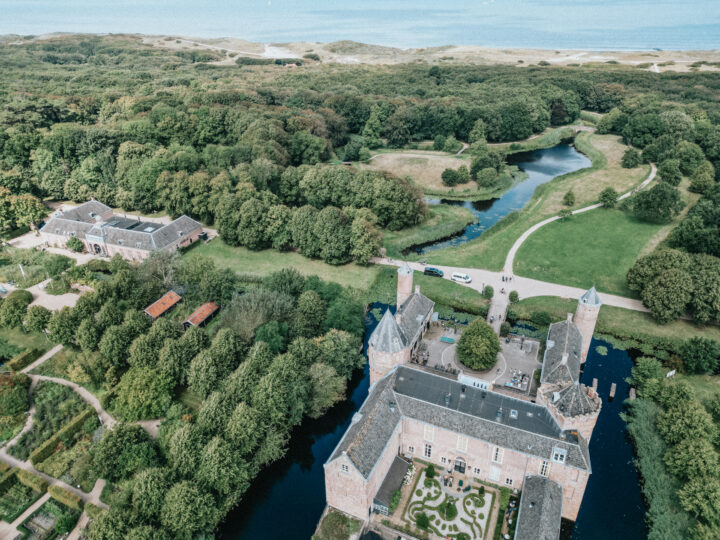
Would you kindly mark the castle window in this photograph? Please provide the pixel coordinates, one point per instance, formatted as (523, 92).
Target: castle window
(476, 471)
(462, 443)
(344, 468)
(429, 433)
(513, 414)
(443, 460)
(508, 481)
(428, 451)
(411, 449)
(559, 455)
(498, 454)
(544, 468)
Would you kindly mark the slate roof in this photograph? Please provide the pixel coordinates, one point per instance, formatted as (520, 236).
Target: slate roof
(119, 231)
(540, 511)
(591, 298)
(393, 481)
(574, 400)
(561, 363)
(387, 336)
(495, 418)
(412, 313)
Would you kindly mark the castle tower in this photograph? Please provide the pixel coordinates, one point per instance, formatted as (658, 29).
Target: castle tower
(585, 318)
(387, 347)
(404, 284)
(575, 407)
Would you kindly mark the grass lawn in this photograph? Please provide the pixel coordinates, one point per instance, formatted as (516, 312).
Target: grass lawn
(614, 319)
(442, 220)
(605, 151)
(594, 248)
(265, 262)
(13, 341)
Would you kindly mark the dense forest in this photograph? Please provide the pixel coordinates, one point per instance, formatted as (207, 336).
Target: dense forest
(254, 149)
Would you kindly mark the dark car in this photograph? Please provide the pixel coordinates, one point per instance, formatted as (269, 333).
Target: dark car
(431, 271)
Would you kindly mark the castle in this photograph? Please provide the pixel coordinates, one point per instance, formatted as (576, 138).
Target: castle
(479, 433)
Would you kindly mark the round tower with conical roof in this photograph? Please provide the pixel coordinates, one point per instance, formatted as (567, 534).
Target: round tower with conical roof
(404, 284)
(585, 318)
(387, 347)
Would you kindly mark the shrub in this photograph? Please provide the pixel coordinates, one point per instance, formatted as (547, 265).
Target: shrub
(450, 177)
(488, 292)
(93, 511)
(514, 297)
(541, 317)
(505, 328)
(700, 355)
(423, 521)
(7, 479)
(478, 346)
(75, 244)
(66, 497)
(608, 197)
(430, 471)
(631, 158)
(32, 481)
(46, 449)
(24, 359)
(14, 393)
(569, 198)
(394, 500)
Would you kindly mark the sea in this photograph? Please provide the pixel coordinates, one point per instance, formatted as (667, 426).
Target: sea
(538, 24)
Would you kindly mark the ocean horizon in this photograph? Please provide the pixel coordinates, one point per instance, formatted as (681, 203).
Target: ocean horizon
(537, 24)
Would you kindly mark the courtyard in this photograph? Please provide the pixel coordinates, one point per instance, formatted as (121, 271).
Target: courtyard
(514, 370)
(448, 505)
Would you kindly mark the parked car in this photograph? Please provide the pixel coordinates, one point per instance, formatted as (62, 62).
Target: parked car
(460, 277)
(432, 271)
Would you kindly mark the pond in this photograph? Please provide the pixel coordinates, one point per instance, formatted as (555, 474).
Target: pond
(287, 498)
(541, 166)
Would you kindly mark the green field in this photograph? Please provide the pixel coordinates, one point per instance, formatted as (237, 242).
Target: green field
(594, 248)
(489, 251)
(265, 262)
(614, 319)
(442, 220)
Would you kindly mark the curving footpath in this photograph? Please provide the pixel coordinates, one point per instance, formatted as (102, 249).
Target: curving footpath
(510, 259)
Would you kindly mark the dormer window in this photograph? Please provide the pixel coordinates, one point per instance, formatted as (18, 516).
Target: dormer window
(559, 455)
(138, 245)
(513, 414)
(120, 241)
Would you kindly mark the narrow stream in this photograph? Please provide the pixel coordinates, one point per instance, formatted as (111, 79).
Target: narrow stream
(541, 166)
(287, 498)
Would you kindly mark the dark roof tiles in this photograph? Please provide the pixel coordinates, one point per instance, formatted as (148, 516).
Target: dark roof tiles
(540, 511)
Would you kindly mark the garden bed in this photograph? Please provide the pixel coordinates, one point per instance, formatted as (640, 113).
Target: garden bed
(50, 520)
(15, 498)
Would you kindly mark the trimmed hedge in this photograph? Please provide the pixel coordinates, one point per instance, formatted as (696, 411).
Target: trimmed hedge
(4, 467)
(68, 498)
(24, 359)
(46, 449)
(6, 480)
(32, 481)
(93, 511)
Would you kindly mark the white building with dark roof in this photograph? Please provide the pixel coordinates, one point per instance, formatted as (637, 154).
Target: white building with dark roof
(105, 234)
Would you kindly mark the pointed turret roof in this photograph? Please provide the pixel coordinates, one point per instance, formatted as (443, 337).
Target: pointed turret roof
(388, 337)
(575, 401)
(591, 297)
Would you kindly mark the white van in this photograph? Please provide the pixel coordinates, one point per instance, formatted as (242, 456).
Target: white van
(462, 278)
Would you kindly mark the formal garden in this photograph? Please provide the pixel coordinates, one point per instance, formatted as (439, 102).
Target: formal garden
(16, 495)
(52, 519)
(436, 510)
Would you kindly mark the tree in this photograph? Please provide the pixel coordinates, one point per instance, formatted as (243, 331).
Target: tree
(684, 422)
(37, 318)
(14, 393)
(488, 291)
(700, 355)
(703, 177)
(243, 429)
(345, 314)
(631, 159)
(14, 308)
(450, 177)
(188, 510)
(514, 297)
(340, 350)
(75, 244)
(219, 470)
(326, 389)
(608, 197)
(569, 198)
(668, 295)
(204, 374)
(252, 225)
(309, 315)
(213, 413)
(478, 346)
(373, 128)
(477, 134)
(274, 334)
(701, 498)
(184, 450)
(692, 458)
(333, 232)
(669, 172)
(365, 238)
(143, 394)
(123, 451)
(62, 326)
(659, 204)
(423, 521)
(647, 376)
(27, 210)
(148, 492)
(88, 335)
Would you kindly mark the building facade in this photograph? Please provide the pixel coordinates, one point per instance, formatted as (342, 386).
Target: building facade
(105, 234)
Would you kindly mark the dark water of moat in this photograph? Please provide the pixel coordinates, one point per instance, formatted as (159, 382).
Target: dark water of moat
(541, 166)
(287, 498)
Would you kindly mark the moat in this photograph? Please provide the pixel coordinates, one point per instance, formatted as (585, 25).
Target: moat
(540, 166)
(287, 498)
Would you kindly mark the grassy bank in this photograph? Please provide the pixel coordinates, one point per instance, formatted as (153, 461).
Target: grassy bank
(593, 248)
(605, 151)
(550, 137)
(617, 321)
(265, 262)
(442, 220)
